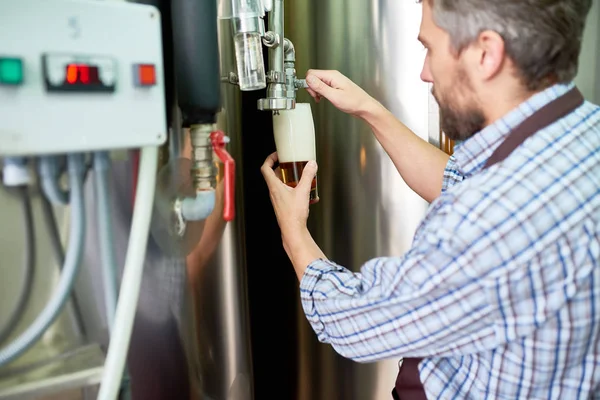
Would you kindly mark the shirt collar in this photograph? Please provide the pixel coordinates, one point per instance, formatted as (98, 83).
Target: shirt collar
(470, 156)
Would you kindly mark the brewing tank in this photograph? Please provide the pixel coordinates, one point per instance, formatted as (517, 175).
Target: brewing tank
(366, 209)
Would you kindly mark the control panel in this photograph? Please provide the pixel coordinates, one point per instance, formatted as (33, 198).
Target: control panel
(80, 75)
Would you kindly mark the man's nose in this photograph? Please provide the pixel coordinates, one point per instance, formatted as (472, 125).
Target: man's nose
(426, 72)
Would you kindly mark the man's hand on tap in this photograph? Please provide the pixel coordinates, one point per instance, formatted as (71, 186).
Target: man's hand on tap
(340, 91)
(420, 164)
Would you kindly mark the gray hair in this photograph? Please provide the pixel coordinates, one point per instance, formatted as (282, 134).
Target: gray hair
(542, 37)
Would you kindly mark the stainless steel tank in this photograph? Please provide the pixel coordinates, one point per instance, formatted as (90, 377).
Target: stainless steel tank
(366, 209)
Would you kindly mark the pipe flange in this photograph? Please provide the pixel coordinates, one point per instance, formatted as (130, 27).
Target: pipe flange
(276, 104)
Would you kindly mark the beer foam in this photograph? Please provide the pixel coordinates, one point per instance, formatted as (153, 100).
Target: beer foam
(294, 132)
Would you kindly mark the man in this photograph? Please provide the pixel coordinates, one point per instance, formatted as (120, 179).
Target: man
(499, 295)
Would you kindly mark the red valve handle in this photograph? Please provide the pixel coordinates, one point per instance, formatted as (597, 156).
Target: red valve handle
(217, 139)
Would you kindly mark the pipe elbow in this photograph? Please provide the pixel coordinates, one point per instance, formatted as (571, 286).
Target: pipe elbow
(198, 208)
(289, 51)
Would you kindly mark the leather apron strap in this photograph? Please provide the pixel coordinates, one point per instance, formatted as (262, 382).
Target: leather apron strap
(545, 116)
(408, 382)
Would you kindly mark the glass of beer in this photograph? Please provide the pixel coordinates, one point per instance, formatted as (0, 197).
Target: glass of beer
(294, 132)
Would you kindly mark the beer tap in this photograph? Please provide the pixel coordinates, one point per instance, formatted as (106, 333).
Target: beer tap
(248, 27)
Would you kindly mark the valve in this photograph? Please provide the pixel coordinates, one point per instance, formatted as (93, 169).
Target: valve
(218, 141)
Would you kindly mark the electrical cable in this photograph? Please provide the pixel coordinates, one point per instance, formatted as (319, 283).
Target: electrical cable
(28, 266)
(70, 270)
(53, 232)
(59, 255)
(105, 234)
(49, 172)
(132, 276)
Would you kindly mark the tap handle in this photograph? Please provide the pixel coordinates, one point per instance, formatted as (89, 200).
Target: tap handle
(219, 140)
(301, 84)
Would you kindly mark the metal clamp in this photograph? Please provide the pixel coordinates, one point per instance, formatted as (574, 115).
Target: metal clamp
(232, 78)
(271, 39)
(275, 77)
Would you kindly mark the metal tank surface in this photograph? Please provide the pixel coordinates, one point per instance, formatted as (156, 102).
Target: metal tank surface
(366, 210)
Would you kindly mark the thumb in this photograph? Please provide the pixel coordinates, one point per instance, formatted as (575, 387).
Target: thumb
(321, 87)
(308, 174)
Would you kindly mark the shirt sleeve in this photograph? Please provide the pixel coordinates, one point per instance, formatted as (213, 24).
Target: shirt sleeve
(452, 174)
(477, 277)
(427, 303)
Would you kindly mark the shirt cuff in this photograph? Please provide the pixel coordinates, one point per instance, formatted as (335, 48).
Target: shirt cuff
(310, 295)
(313, 274)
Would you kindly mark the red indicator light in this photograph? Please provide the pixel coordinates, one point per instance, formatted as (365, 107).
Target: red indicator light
(84, 73)
(81, 74)
(146, 75)
(71, 73)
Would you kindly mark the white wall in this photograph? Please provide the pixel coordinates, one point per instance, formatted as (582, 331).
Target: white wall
(586, 79)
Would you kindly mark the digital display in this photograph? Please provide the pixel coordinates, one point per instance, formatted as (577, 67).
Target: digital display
(76, 73)
(79, 74)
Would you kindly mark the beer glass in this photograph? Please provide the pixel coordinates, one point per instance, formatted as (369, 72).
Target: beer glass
(294, 132)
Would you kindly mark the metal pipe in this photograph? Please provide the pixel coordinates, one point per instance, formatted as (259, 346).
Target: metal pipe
(204, 171)
(289, 51)
(291, 82)
(276, 25)
(278, 97)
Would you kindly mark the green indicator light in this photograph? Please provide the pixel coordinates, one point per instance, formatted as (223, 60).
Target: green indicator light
(11, 71)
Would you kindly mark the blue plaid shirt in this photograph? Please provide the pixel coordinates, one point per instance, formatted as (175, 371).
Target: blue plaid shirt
(500, 292)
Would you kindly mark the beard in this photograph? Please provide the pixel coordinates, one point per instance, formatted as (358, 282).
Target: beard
(459, 123)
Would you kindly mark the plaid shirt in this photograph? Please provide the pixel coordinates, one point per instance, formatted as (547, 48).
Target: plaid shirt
(500, 293)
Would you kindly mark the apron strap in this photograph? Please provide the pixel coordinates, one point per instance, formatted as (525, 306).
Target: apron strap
(539, 120)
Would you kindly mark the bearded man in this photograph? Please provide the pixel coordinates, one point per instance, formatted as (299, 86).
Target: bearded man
(499, 296)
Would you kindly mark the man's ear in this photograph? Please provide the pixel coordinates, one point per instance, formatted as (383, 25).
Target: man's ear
(491, 54)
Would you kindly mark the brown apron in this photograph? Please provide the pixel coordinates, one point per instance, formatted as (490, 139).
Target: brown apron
(408, 382)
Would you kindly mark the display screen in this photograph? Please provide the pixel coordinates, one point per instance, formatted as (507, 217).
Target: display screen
(74, 73)
(79, 74)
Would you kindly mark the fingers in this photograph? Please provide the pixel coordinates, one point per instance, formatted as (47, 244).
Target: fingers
(332, 78)
(270, 161)
(308, 174)
(267, 169)
(320, 87)
(278, 173)
(314, 95)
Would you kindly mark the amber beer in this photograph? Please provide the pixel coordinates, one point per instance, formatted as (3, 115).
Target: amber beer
(295, 142)
(291, 172)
